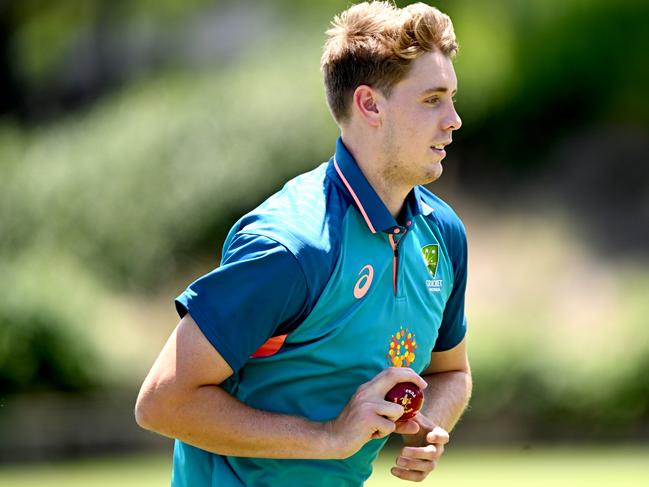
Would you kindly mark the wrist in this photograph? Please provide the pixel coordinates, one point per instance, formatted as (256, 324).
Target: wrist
(329, 441)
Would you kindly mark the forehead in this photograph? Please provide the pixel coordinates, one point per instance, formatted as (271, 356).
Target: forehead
(430, 70)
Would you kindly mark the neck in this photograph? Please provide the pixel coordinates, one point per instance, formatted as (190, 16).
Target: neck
(392, 198)
(373, 168)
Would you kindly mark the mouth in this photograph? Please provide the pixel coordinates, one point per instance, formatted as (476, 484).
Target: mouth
(439, 148)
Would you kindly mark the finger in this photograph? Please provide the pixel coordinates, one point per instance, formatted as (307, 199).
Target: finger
(416, 464)
(387, 379)
(405, 474)
(428, 452)
(389, 410)
(438, 436)
(407, 427)
(382, 427)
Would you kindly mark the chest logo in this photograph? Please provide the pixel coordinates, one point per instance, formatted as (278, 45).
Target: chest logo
(364, 282)
(431, 258)
(401, 350)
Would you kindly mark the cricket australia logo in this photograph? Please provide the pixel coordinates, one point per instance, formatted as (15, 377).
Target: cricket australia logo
(431, 259)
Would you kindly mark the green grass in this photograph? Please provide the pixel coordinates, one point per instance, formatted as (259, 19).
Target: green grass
(587, 466)
(135, 470)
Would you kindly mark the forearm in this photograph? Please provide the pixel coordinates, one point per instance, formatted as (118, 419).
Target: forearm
(211, 419)
(445, 399)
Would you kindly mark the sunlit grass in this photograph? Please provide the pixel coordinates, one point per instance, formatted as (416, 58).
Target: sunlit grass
(588, 466)
(136, 470)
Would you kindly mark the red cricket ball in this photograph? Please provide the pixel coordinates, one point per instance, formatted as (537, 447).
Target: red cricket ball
(408, 395)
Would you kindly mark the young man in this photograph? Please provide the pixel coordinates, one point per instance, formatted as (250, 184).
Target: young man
(348, 281)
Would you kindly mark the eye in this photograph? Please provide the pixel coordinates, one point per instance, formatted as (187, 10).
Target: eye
(433, 100)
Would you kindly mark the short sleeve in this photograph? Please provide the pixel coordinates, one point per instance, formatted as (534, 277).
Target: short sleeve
(454, 325)
(259, 288)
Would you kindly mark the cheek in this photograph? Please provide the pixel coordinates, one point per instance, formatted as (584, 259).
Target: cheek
(409, 129)
(410, 124)
(419, 121)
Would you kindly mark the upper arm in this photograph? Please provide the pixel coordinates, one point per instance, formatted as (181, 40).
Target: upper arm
(196, 360)
(453, 360)
(187, 362)
(257, 292)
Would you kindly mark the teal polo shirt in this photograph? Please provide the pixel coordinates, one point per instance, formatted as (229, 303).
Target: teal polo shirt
(320, 289)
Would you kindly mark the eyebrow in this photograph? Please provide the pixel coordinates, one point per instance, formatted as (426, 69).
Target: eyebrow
(439, 89)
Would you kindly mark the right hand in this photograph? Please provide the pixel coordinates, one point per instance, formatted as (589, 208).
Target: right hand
(368, 415)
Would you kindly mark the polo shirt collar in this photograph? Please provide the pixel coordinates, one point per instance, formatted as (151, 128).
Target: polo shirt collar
(368, 203)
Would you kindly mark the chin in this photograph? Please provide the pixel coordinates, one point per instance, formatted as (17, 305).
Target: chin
(434, 174)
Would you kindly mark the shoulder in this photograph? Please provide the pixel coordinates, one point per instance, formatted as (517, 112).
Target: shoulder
(305, 217)
(450, 226)
(442, 214)
(302, 216)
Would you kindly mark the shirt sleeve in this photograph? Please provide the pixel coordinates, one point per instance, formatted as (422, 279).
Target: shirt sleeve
(258, 289)
(454, 325)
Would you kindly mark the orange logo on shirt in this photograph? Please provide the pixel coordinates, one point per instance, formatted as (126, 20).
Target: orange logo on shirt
(364, 282)
(401, 352)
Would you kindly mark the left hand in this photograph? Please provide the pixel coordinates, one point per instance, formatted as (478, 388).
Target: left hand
(416, 462)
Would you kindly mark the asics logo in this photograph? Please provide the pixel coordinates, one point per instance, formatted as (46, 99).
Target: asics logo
(364, 282)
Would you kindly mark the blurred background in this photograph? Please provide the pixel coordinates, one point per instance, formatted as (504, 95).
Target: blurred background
(133, 133)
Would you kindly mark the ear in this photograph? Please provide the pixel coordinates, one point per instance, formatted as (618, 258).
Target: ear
(365, 102)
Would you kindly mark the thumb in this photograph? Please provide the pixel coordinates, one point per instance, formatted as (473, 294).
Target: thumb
(408, 427)
(437, 436)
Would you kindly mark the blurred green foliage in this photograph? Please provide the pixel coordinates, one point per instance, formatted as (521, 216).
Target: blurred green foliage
(534, 72)
(37, 352)
(162, 168)
(146, 183)
(46, 342)
(42, 31)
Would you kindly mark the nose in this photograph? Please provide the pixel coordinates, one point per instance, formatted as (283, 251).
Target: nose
(453, 120)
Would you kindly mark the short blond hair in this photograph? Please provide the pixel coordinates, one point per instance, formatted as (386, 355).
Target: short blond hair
(374, 43)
